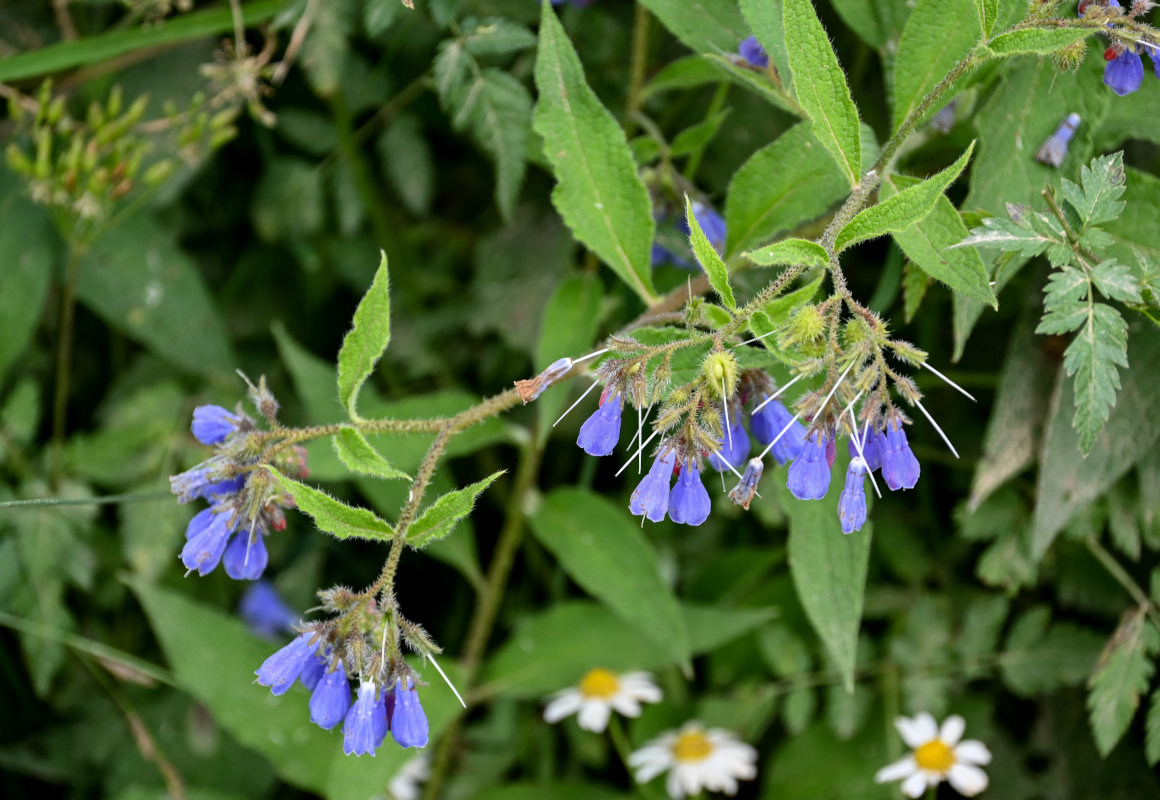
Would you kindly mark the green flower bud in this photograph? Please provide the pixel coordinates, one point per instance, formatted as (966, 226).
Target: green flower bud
(116, 99)
(720, 368)
(159, 172)
(19, 161)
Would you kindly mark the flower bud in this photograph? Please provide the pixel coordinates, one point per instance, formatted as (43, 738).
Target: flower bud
(720, 368)
(806, 325)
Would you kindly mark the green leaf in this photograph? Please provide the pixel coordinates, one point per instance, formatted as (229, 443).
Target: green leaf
(829, 573)
(705, 26)
(1092, 358)
(1116, 282)
(878, 22)
(1102, 187)
(1066, 481)
(781, 186)
(599, 193)
(1121, 677)
(367, 340)
(440, 518)
(141, 283)
(612, 559)
(1038, 657)
(1037, 41)
(753, 79)
(790, 251)
(929, 244)
(496, 36)
(1008, 236)
(332, 516)
(567, 328)
(709, 258)
(820, 86)
(987, 11)
(360, 456)
(25, 271)
(326, 50)
(938, 34)
(697, 136)
(409, 162)
(900, 211)
(765, 18)
(1152, 734)
(684, 73)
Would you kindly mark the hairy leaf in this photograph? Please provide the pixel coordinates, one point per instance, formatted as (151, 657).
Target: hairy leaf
(791, 251)
(358, 455)
(367, 340)
(333, 516)
(440, 518)
(1037, 41)
(938, 34)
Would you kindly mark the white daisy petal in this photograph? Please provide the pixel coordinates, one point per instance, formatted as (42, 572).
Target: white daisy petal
(952, 730)
(903, 768)
(624, 705)
(565, 704)
(915, 785)
(657, 750)
(646, 772)
(918, 731)
(594, 715)
(972, 751)
(673, 786)
(690, 777)
(967, 780)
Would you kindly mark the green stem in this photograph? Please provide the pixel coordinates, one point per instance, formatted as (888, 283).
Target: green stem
(1123, 578)
(637, 69)
(64, 354)
(109, 499)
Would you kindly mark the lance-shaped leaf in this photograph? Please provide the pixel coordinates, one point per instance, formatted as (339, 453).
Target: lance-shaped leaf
(1121, 677)
(1037, 41)
(938, 34)
(333, 516)
(899, 212)
(705, 26)
(765, 17)
(367, 339)
(930, 244)
(360, 456)
(598, 192)
(1152, 731)
(709, 258)
(987, 11)
(820, 86)
(790, 251)
(440, 518)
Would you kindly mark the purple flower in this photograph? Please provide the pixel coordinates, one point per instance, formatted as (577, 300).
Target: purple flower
(280, 670)
(689, 502)
(651, 496)
(206, 541)
(742, 494)
(872, 443)
(264, 611)
(246, 557)
(212, 424)
(331, 699)
(752, 51)
(407, 720)
(852, 503)
(315, 668)
(1154, 54)
(900, 468)
(712, 224)
(1123, 73)
(197, 483)
(770, 421)
(736, 455)
(809, 474)
(600, 431)
(1053, 151)
(366, 723)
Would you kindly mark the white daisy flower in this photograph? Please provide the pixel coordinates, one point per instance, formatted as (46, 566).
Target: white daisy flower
(698, 759)
(405, 784)
(938, 755)
(598, 694)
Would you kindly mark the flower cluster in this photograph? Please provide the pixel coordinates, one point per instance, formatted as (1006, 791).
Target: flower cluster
(245, 503)
(1124, 71)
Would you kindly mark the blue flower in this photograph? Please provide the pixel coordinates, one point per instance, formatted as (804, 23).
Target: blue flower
(1123, 73)
(689, 502)
(206, 541)
(331, 699)
(600, 431)
(245, 558)
(736, 455)
(264, 611)
(742, 494)
(365, 726)
(212, 424)
(1053, 151)
(872, 443)
(767, 423)
(315, 668)
(712, 225)
(1153, 54)
(752, 51)
(651, 496)
(407, 720)
(197, 483)
(900, 468)
(809, 474)
(280, 670)
(852, 503)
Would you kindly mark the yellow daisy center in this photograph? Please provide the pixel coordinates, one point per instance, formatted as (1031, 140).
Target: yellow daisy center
(935, 756)
(692, 746)
(599, 683)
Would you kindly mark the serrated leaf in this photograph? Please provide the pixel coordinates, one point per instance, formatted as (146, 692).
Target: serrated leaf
(409, 162)
(599, 193)
(930, 245)
(790, 251)
(1116, 282)
(1103, 183)
(1092, 357)
(1008, 236)
(358, 455)
(611, 558)
(1064, 318)
(781, 186)
(450, 68)
(1064, 287)
(440, 518)
(1039, 657)
(829, 573)
(1038, 41)
(333, 516)
(496, 36)
(938, 34)
(820, 86)
(1152, 731)
(902, 210)
(709, 258)
(1122, 676)
(368, 338)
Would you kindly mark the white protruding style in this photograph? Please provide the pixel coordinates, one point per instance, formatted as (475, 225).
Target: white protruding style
(569, 411)
(950, 383)
(775, 395)
(938, 755)
(930, 419)
(446, 680)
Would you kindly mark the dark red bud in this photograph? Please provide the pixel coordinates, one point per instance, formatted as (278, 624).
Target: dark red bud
(1111, 53)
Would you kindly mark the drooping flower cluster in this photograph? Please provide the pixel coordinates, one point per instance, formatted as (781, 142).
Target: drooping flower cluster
(1124, 70)
(245, 503)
